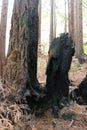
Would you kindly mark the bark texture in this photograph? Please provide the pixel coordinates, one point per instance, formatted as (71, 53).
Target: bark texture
(52, 21)
(21, 64)
(3, 33)
(75, 27)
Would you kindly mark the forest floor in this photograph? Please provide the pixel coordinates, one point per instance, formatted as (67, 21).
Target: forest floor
(12, 116)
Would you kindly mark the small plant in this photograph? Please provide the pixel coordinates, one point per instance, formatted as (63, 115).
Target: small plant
(76, 68)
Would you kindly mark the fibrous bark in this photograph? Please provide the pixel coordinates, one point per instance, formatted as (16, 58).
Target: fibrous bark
(75, 27)
(20, 71)
(3, 33)
(52, 21)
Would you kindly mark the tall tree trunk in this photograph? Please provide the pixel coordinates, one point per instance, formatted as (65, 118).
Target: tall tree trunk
(20, 71)
(71, 17)
(39, 27)
(52, 21)
(79, 41)
(3, 33)
(75, 27)
(65, 27)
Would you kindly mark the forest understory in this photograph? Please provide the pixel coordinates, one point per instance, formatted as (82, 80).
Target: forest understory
(15, 117)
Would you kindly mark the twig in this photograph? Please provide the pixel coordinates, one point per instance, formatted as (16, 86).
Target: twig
(70, 125)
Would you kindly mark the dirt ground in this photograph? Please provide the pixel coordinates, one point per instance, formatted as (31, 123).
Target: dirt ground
(70, 118)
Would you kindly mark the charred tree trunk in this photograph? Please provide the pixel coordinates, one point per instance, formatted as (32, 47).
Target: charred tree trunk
(20, 71)
(57, 81)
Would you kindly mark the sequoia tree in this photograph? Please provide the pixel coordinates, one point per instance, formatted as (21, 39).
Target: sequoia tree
(20, 72)
(75, 26)
(52, 20)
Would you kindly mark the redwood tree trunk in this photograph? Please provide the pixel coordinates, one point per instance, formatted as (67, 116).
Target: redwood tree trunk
(3, 33)
(20, 71)
(65, 27)
(79, 42)
(75, 27)
(71, 17)
(39, 27)
(52, 20)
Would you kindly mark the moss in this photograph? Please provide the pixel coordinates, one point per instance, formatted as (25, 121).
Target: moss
(76, 68)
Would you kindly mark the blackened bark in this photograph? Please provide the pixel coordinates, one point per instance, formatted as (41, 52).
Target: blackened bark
(60, 57)
(79, 94)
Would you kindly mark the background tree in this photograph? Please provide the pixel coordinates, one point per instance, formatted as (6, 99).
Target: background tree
(75, 26)
(65, 27)
(39, 26)
(84, 8)
(3, 33)
(71, 17)
(79, 43)
(52, 20)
